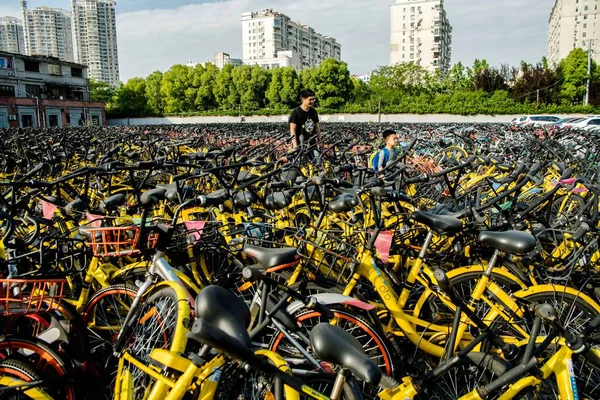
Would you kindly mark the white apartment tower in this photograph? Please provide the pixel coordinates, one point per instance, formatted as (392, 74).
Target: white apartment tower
(95, 38)
(421, 33)
(272, 39)
(47, 32)
(572, 24)
(12, 37)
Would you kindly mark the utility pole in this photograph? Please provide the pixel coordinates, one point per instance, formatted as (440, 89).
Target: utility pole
(379, 110)
(537, 99)
(587, 90)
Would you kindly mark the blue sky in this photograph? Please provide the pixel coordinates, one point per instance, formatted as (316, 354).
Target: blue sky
(153, 35)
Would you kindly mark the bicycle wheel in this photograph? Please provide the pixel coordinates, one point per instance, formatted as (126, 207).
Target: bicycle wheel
(376, 347)
(433, 309)
(12, 389)
(104, 315)
(56, 371)
(573, 312)
(161, 323)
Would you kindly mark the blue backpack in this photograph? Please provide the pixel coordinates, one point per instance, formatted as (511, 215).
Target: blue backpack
(374, 159)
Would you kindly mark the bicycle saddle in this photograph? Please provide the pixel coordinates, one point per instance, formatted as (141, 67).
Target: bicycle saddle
(245, 198)
(75, 206)
(173, 191)
(221, 322)
(268, 258)
(152, 196)
(513, 242)
(278, 200)
(335, 345)
(217, 197)
(440, 224)
(112, 203)
(343, 203)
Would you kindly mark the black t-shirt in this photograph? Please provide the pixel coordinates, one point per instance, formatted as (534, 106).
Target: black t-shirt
(305, 123)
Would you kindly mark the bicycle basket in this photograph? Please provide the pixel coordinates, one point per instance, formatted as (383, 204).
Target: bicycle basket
(117, 241)
(328, 252)
(30, 296)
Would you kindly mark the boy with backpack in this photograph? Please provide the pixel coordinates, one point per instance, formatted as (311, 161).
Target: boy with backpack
(383, 157)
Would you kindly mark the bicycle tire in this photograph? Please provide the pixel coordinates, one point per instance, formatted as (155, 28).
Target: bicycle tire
(22, 373)
(359, 328)
(52, 368)
(587, 377)
(161, 322)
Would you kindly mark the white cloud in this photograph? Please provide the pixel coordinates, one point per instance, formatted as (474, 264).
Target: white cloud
(507, 31)
(157, 39)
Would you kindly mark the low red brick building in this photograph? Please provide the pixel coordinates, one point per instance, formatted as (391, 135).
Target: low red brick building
(39, 91)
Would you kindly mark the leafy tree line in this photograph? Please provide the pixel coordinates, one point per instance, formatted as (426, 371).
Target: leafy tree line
(401, 88)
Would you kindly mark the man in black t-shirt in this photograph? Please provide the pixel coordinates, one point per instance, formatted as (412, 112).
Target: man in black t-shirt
(304, 121)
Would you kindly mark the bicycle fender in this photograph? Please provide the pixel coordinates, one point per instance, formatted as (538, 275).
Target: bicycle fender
(558, 289)
(330, 299)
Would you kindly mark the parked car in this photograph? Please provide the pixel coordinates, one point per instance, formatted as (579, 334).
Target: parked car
(568, 120)
(586, 123)
(536, 120)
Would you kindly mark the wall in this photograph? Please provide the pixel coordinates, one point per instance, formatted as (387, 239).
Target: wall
(392, 118)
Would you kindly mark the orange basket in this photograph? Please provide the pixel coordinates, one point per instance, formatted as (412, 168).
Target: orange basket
(117, 241)
(30, 296)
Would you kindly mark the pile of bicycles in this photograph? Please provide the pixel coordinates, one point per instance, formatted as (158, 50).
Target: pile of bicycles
(203, 262)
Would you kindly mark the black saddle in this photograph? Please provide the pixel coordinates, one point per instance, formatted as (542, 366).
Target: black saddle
(153, 196)
(217, 197)
(278, 200)
(112, 203)
(440, 224)
(512, 242)
(245, 199)
(221, 322)
(174, 191)
(335, 345)
(74, 207)
(343, 203)
(268, 258)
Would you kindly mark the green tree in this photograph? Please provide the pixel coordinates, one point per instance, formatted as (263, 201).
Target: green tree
(572, 72)
(283, 88)
(205, 81)
(177, 89)
(156, 104)
(224, 91)
(131, 99)
(101, 91)
(251, 85)
(532, 78)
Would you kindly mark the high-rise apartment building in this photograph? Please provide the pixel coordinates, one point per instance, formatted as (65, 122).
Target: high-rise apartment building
(12, 38)
(572, 24)
(47, 32)
(271, 39)
(421, 33)
(95, 38)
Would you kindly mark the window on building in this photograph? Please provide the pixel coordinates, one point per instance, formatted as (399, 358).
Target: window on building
(54, 69)
(33, 90)
(584, 34)
(585, 8)
(412, 9)
(7, 91)
(584, 26)
(585, 16)
(412, 56)
(32, 66)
